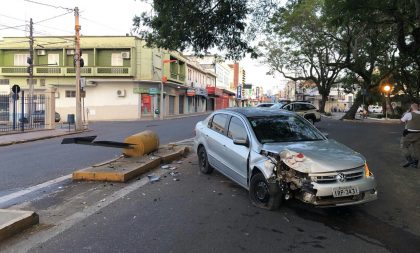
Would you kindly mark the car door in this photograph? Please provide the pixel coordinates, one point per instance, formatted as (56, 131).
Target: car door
(216, 140)
(236, 156)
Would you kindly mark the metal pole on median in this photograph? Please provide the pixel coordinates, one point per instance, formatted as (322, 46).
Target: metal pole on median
(161, 91)
(22, 126)
(79, 125)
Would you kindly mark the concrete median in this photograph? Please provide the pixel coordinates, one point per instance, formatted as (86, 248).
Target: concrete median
(15, 221)
(126, 168)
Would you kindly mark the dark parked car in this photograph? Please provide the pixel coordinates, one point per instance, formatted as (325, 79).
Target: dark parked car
(39, 117)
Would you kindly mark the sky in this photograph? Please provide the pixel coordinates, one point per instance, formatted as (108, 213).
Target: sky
(97, 17)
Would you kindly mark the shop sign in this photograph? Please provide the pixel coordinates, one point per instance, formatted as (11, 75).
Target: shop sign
(247, 86)
(200, 92)
(191, 92)
(257, 92)
(154, 91)
(239, 92)
(214, 91)
(142, 90)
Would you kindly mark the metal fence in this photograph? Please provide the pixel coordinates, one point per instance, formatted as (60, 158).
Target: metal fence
(20, 112)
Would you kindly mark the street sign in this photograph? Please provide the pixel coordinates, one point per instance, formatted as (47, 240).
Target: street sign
(247, 86)
(257, 92)
(239, 92)
(15, 88)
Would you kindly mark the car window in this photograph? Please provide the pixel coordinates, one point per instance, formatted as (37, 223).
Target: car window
(299, 107)
(237, 129)
(288, 107)
(310, 107)
(219, 122)
(283, 128)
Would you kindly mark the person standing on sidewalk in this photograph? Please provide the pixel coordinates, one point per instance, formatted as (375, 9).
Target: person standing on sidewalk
(410, 142)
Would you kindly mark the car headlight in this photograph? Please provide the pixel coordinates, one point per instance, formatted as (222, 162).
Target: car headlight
(367, 171)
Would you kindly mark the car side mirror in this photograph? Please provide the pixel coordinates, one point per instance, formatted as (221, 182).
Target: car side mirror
(242, 142)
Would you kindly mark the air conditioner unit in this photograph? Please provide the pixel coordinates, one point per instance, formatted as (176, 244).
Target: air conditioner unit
(125, 55)
(41, 52)
(70, 51)
(121, 93)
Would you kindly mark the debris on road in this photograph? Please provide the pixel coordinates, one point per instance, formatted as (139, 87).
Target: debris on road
(153, 178)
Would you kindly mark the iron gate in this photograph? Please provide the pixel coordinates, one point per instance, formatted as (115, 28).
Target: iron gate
(19, 113)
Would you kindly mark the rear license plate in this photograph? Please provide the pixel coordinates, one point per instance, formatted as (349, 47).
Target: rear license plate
(345, 191)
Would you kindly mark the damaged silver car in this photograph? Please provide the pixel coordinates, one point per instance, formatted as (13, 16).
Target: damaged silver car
(278, 155)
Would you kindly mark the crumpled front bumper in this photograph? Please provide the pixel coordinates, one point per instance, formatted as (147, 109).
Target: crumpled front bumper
(324, 193)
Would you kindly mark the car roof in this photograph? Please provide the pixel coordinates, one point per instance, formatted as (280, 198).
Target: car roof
(256, 111)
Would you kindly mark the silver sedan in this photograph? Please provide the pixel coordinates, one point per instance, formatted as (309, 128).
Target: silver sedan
(278, 155)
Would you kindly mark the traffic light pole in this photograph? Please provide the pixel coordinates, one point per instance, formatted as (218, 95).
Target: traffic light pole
(31, 69)
(79, 124)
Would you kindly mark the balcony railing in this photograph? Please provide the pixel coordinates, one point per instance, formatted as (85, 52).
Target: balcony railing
(67, 71)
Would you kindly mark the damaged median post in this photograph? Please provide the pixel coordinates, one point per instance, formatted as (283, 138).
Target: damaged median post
(141, 153)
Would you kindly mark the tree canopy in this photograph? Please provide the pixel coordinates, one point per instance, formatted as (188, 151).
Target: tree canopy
(371, 42)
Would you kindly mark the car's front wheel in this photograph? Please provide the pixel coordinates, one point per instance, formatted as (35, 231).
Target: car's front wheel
(203, 162)
(263, 194)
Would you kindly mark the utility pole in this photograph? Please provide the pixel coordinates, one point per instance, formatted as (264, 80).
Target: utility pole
(31, 69)
(79, 125)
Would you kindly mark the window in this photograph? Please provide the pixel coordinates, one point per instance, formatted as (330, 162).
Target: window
(85, 58)
(219, 122)
(289, 107)
(42, 82)
(309, 107)
(4, 81)
(116, 59)
(237, 129)
(21, 59)
(299, 107)
(34, 81)
(54, 59)
(70, 93)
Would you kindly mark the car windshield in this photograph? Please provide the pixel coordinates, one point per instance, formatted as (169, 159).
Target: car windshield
(283, 128)
(277, 106)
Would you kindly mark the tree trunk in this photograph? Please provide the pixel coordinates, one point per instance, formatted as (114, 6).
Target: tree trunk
(322, 104)
(351, 113)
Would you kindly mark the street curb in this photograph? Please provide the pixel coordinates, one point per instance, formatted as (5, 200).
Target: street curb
(124, 169)
(21, 221)
(41, 138)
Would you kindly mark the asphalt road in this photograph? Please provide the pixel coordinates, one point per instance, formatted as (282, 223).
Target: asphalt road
(209, 213)
(28, 164)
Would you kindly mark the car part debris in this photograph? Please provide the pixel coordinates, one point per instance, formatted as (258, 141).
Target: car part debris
(153, 178)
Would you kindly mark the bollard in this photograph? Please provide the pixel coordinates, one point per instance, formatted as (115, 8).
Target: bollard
(142, 143)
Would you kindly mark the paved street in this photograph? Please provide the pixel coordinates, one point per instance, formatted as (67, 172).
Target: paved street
(28, 164)
(208, 213)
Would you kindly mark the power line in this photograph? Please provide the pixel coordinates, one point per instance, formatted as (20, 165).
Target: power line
(54, 17)
(97, 23)
(12, 27)
(49, 5)
(12, 17)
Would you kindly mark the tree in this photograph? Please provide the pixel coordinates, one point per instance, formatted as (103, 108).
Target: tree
(199, 24)
(298, 43)
(367, 42)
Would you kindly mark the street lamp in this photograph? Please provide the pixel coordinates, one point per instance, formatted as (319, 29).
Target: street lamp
(387, 89)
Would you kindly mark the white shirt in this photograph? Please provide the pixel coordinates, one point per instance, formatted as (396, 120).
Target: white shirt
(407, 117)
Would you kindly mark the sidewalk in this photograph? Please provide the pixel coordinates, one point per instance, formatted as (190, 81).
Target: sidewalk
(16, 138)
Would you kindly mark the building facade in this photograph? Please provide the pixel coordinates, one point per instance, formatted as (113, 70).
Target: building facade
(121, 76)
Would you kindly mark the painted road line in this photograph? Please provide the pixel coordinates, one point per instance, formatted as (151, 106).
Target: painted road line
(32, 189)
(43, 236)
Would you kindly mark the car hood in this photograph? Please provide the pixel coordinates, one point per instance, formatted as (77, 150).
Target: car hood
(318, 156)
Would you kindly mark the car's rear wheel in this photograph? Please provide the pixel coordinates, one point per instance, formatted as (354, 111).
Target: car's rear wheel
(203, 162)
(311, 119)
(264, 194)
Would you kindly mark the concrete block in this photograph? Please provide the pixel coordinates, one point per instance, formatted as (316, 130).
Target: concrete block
(15, 221)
